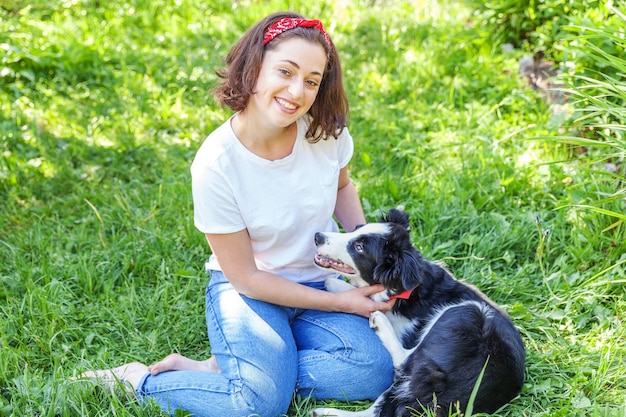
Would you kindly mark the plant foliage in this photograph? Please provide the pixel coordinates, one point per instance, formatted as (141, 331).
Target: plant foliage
(103, 105)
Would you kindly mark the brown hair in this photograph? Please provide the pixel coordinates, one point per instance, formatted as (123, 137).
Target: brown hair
(329, 111)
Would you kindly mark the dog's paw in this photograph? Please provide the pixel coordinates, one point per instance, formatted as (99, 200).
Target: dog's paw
(381, 325)
(375, 320)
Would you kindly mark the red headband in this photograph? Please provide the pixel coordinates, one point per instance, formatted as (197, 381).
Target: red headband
(288, 23)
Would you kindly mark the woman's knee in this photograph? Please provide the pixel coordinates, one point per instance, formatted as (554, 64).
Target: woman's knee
(267, 397)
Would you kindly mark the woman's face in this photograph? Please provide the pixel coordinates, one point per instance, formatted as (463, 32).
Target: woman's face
(288, 82)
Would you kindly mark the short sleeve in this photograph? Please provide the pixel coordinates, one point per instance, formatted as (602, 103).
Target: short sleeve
(346, 147)
(214, 205)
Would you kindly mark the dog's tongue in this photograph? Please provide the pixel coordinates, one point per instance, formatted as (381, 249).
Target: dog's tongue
(326, 262)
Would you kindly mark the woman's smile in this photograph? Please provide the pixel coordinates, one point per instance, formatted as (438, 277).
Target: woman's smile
(289, 105)
(288, 82)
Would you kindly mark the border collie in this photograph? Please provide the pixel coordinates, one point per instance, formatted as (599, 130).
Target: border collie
(441, 333)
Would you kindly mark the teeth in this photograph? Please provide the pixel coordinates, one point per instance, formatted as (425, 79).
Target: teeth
(286, 104)
(327, 262)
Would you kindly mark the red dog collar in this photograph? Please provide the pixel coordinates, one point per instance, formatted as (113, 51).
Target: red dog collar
(404, 295)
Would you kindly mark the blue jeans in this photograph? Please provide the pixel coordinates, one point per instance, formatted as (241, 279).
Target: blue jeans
(266, 351)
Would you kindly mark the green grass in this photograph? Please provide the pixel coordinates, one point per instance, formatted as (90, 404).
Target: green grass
(103, 104)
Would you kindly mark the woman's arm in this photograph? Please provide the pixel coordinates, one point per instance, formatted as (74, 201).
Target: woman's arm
(348, 209)
(234, 254)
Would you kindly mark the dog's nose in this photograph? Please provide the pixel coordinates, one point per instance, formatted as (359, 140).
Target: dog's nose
(320, 239)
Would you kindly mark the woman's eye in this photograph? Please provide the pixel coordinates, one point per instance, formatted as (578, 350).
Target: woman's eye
(285, 72)
(313, 83)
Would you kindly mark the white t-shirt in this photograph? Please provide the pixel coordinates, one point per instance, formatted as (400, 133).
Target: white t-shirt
(281, 203)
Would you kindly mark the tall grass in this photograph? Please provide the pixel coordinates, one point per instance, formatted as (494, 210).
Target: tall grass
(103, 104)
(595, 131)
(600, 117)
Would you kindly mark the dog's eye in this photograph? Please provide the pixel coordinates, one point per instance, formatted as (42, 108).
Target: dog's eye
(358, 246)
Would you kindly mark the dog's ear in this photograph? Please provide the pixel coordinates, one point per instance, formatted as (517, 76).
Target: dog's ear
(401, 264)
(411, 274)
(396, 216)
(400, 270)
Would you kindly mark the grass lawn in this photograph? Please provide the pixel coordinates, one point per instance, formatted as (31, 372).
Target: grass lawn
(104, 103)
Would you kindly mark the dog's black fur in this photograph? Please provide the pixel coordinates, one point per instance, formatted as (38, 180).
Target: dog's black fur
(455, 330)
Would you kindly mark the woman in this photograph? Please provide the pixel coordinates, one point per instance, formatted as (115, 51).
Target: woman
(263, 183)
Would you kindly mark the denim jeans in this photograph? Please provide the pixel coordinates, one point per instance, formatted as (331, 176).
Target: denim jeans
(266, 351)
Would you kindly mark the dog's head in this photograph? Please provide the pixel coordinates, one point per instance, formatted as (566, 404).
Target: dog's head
(375, 253)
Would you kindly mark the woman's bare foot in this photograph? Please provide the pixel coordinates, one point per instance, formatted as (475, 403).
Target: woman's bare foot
(130, 372)
(177, 362)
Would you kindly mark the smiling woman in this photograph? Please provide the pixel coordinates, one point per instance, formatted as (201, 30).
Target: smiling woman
(263, 184)
(104, 103)
(286, 89)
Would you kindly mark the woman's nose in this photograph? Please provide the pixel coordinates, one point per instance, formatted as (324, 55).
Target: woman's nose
(295, 88)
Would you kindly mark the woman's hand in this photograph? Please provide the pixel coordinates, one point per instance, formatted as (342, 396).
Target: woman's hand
(234, 252)
(357, 301)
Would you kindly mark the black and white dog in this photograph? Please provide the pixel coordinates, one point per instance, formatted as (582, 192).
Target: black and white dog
(441, 333)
